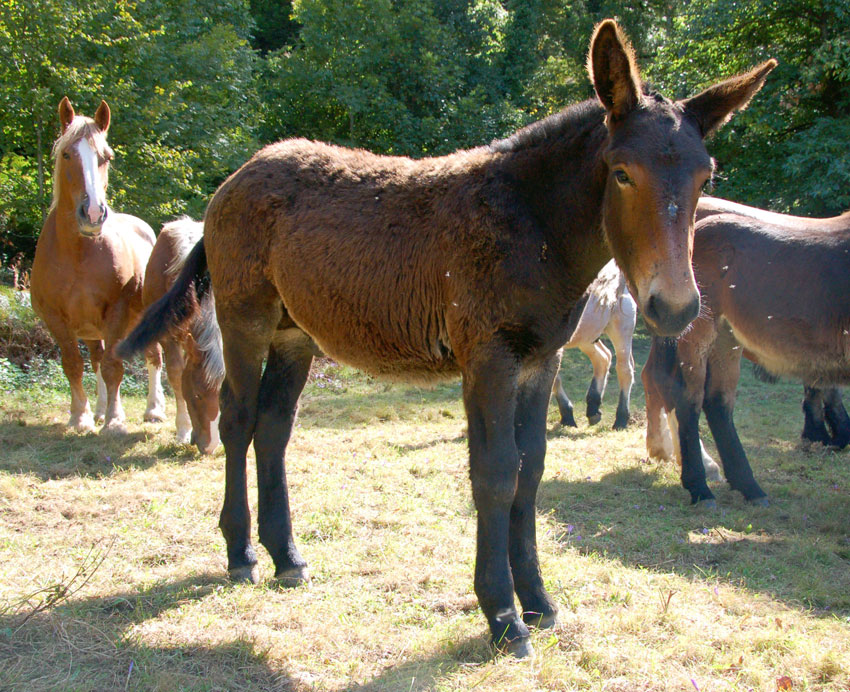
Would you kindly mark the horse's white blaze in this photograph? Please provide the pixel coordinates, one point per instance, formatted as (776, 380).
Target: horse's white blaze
(94, 185)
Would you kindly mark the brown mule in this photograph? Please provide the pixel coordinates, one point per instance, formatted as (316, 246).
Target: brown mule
(88, 272)
(775, 287)
(466, 264)
(193, 356)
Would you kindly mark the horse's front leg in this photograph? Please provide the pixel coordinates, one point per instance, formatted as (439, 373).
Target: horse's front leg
(565, 406)
(174, 366)
(96, 354)
(836, 417)
(600, 357)
(620, 330)
(489, 396)
(155, 409)
(112, 368)
(539, 609)
(814, 425)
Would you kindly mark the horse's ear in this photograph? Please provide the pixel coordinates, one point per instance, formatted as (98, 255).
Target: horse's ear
(613, 69)
(66, 113)
(102, 116)
(716, 105)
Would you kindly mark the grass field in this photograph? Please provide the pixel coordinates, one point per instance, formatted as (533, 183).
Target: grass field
(112, 568)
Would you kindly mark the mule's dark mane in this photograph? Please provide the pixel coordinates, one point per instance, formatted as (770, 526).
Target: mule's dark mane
(570, 121)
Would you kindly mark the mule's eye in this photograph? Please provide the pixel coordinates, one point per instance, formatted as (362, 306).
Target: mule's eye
(622, 177)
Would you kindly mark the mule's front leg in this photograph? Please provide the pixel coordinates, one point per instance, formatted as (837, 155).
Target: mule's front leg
(489, 396)
(539, 609)
(836, 417)
(600, 357)
(814, 425)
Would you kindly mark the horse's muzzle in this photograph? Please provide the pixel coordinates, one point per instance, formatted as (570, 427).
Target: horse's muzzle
(665, 319)
(91, 223)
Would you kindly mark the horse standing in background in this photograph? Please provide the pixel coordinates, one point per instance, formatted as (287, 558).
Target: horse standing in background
(606, 307)
(467, 264)
(193, 357)
(775, 287)
(88, 272)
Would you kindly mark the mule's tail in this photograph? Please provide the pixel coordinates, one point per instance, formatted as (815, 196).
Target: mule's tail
(179, 305)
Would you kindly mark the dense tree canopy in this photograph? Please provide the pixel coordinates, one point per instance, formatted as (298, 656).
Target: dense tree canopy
(197, 85)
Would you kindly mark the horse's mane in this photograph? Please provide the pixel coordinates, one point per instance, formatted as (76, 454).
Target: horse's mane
(79, 128)
(571, 120)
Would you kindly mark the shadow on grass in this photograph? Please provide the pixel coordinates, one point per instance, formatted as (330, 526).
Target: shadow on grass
(796, 550)
(50, 451)
(89, 644)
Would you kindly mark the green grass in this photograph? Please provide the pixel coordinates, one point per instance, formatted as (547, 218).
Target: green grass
(655, 595)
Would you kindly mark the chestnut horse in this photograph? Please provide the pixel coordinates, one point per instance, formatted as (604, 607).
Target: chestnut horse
(775, 288)
(88, 272)
(606, 307)
(193, 357)
(465, 264)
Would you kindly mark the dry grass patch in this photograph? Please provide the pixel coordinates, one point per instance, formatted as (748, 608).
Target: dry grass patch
(655, 595)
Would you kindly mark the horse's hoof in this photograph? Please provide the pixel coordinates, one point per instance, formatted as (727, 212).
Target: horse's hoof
(569, 422)
(83, 425)
(709, 504)
(759, 501)
(291, 577)
(518, 648)
(184, 438)
(541, 621)
(99, 418)
(114, 427)
(594, 419)
(156, 416)
(247, 574)
(620, 426)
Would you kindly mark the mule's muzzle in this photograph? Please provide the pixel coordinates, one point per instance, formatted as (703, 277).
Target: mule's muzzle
(668, 319)
(91, 216)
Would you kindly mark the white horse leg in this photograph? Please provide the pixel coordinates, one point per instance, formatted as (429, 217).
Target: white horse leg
(100, 407)
(155, 410)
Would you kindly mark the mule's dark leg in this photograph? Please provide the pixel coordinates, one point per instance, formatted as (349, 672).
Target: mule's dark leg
(814, 426)
(836, 417)
(600, 357)
(489, 396)
(565, 406)
(286, 372)
(723, 372)
(246, 331)
(530, 432)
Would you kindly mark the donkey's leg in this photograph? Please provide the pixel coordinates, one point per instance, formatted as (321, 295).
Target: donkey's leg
(600, 357)
(287, 368)
(96, 354)
(565, 406)
(814, 425)
(620, 330)
(155, 410)
(723, 372)
(174, 364)
(836, 417)
(489, 396)
(530, 432)
(246, 332)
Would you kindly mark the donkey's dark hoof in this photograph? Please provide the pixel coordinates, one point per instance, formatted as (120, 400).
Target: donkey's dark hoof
(759, 501)
(292, 576)
(247, 574)
(594, 419)
(518, 648)
(542, 621)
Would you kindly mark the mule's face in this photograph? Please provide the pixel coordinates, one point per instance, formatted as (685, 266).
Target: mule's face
(201, 397)
(657, 164)
(82, 166)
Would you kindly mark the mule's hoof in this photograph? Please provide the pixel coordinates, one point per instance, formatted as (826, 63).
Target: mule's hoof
(594, 419)
(291, 577)
(155, 416)
(247, 574)
(542, 621)
(569, 422)
(114, 427)
(759, 501)
(518, 648)
(619, 425)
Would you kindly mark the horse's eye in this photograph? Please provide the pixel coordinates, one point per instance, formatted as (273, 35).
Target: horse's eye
(66, 155)
(622, 177)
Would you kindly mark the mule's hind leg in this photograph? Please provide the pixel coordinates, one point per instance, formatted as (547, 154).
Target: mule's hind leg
(539, 609)
(601, 358)
(814, 425)
(287, 368)
(565, 406)
(723, 372)
(96, 354)
(836, 417)
(246, 332)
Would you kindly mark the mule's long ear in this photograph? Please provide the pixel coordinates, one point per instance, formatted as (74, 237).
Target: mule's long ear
(66, 113)
(716, 105)
(102, 116)
(613, 70)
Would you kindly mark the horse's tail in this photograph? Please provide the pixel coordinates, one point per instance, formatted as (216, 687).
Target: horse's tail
(180, 304)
